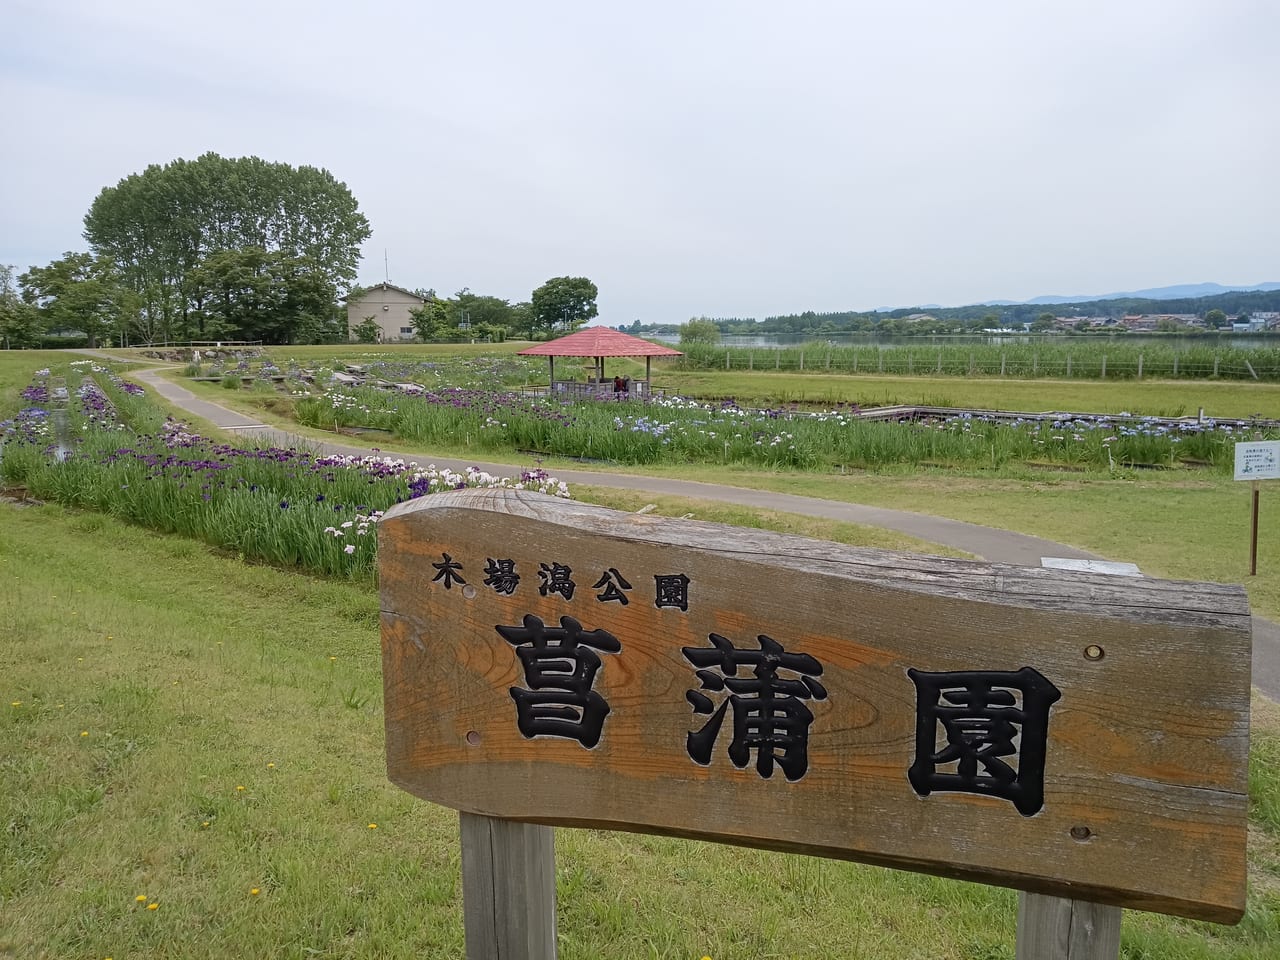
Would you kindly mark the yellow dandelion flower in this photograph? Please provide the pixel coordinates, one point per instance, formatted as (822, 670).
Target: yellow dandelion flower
(84, 733)
(109, 637)
(153, 906)
(331, 659)
(271, 766)
(238, 787)
(205, 824)
(16, 703)
(141, 898)
(373, 826)
(254, 892)
(79, 659)
(59, 706)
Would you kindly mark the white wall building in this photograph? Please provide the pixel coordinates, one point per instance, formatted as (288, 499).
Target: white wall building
(388, 306)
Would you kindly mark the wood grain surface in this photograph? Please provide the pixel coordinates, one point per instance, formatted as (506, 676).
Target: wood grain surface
(1145, 760)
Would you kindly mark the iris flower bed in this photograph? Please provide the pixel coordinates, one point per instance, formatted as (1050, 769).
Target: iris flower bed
(676, 430)
(288, 507)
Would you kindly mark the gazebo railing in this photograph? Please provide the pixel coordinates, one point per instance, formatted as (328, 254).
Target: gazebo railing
(593, 390)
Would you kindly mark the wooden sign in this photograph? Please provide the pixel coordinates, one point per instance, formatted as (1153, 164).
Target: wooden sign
(1063, 733)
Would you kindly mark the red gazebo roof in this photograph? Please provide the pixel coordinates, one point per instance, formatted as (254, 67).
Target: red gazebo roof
(599, 342)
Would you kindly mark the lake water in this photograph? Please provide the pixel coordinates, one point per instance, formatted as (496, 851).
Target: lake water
(773, 341)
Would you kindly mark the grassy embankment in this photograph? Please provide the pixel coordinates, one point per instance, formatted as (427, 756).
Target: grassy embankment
(206, 735)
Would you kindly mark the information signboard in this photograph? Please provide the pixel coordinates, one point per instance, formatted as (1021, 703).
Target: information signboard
(1258, 460)
(1067, 733)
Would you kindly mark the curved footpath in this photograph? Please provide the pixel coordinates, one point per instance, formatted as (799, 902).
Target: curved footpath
(997, 546)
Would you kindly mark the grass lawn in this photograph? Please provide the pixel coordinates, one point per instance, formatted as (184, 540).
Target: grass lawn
(1147, 397)
(1180, 524)
(185, 728)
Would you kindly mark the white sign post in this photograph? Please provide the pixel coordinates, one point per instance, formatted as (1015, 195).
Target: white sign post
(1256, 461)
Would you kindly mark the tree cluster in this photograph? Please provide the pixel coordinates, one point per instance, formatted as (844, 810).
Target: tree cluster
(206, 249)
(560, 305)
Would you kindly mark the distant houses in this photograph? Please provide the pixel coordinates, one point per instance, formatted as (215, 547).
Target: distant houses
(1162, 322)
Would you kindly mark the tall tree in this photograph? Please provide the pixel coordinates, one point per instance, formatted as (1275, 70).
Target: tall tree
(471, 310)
(563, 303)
(255, 294)
(78, 292)
(20, 324)
(431, 321)
(160, 225)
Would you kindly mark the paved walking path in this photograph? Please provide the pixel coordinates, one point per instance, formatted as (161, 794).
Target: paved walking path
(997, 546)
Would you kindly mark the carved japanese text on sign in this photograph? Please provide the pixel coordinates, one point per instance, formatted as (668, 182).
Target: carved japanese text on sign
(560, 667)
(562, 663)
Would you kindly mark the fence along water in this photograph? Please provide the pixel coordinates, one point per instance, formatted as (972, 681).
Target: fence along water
(1077, 736)
(1078, 361)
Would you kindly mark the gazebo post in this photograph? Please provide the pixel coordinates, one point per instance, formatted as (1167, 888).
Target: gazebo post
(648, 384)
(551, 378)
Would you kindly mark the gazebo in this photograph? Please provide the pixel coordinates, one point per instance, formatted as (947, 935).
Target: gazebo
(598, 343)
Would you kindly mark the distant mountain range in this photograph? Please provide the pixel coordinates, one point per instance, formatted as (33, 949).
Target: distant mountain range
(1177, 292)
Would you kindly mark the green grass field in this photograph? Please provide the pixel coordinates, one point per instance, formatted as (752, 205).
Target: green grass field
(186, 728)
(205, 734)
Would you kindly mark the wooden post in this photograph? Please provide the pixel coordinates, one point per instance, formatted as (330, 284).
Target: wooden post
(1002, 364)
(1215, 364)
(1175, 364)
(1104, 366)
(726, 359)
(1139, 366)
(751, 359)
(1251, 370)
(802, 360)
(508, 889)
(1068, 366)
(939, 361)
(777, 358)
(1253, 538)
(1058, 928)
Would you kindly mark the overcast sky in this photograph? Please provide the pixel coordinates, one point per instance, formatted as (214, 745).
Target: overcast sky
(692, 158)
